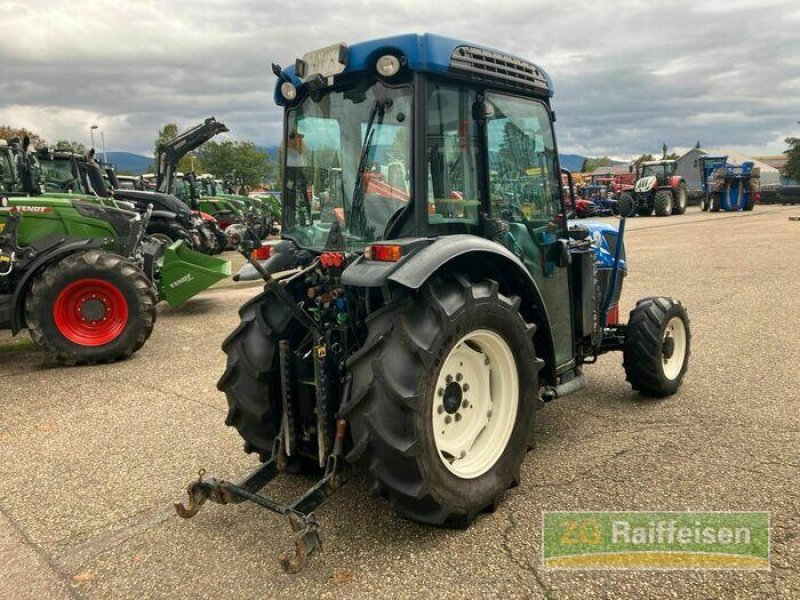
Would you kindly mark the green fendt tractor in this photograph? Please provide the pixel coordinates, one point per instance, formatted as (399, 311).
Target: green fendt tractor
(428, 294)
(177, 272)
(65, 274)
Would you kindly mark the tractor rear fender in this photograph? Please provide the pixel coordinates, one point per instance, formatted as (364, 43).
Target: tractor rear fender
(473, 256)
(675, 181)
(49, 250)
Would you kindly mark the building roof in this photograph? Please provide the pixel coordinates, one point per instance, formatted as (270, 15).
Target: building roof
(778, 162)
(734, 157)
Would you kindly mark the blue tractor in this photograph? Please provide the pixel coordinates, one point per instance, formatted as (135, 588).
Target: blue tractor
(728, 187)
(428, 294)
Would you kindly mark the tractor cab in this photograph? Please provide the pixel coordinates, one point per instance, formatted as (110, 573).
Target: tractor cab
(662, 170)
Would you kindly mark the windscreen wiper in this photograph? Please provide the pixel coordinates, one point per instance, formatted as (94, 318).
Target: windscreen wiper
(357, 203)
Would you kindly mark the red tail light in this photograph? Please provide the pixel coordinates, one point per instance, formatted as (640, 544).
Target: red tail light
(383, 252)
(613, 315)
(758, 197)
(262, 253)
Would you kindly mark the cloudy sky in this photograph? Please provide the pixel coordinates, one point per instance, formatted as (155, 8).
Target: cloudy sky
(628, 75)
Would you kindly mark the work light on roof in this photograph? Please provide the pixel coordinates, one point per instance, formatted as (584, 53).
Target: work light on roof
(388, 65)
(288, 90)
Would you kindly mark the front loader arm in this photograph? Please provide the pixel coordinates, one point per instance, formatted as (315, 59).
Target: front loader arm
(169, 153)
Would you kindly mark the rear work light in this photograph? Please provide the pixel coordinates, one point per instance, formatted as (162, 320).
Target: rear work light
(262, 253)
(332, 259)
(383, 252)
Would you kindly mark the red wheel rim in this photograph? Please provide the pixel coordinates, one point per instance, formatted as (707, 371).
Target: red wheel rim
(91, 312)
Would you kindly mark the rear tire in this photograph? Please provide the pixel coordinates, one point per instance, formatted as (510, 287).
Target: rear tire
(715, 202)
(653, 364)
(704, 203)
(401, 392)
(251, 381)
(91, 307)
(663, 203)
(681, 200)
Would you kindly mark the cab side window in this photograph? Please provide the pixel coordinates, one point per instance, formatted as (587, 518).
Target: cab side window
(524, 180)
(452, 145)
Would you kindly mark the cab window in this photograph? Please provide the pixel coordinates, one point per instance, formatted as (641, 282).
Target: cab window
(451, 154)
(524, 179)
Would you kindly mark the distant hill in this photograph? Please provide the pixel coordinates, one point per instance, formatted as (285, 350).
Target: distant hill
(571, 162)
(127, 161)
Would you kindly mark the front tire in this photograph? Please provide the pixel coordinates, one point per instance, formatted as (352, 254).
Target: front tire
(406, 400)
(681, 200)
(91, 307)
(627, 205)
(657, 346)
(663, 203)
(168, 233)
(715, 202)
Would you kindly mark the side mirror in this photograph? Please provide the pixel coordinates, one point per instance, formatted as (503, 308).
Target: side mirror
(482, 110)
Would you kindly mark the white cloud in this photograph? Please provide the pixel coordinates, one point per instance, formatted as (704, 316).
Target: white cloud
(628, 76)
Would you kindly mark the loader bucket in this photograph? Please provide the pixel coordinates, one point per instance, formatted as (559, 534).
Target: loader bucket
(185, 273)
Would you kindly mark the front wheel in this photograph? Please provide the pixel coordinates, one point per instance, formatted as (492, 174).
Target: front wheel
(663, 203)
(657, 345)
(444, 397)
(91, 307)
(627, 205)
(681, 199)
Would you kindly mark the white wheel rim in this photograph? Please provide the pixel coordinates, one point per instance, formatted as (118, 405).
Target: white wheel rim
(479, 377)
(673, 360)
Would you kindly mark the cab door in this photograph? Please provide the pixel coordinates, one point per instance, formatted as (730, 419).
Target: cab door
(525, 190)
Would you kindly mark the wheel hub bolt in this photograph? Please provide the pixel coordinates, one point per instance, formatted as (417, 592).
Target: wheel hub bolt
(465, 387)
(458, 417)
(447, 419)
(440, 410)
(465, 404)
(449, 379)
(440, 392)
(486, 360)
(459, 377)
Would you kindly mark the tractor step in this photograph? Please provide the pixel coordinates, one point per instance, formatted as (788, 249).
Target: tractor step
(302, 520)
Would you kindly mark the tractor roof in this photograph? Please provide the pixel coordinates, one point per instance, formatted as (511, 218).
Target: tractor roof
(433, 54)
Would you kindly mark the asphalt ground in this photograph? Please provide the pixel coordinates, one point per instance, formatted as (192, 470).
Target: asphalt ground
(92, 458)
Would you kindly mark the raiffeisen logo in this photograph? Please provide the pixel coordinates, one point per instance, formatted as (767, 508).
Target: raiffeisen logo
(664, 540)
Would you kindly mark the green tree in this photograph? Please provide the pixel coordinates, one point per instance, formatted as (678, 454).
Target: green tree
(168, 133)
(68, 146)
(243, 160)
(8, 132)
(644, 158)
(590, 164)
(791, 169)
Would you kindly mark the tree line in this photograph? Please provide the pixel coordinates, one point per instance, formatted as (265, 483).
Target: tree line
(242, 160)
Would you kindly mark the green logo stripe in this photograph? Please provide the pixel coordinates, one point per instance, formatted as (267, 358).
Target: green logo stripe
(673, 540)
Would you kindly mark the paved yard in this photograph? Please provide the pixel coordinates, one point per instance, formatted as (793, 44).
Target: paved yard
(93, 457)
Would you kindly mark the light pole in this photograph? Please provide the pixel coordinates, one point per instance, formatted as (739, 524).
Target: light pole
(91, 131)
(103, 142)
